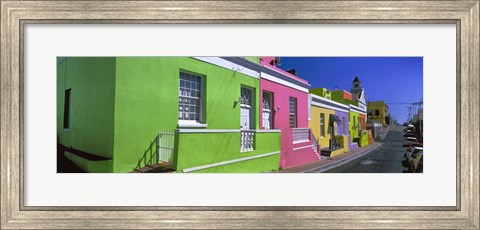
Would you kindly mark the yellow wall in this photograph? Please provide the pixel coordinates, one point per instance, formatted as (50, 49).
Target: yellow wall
(314, 124)
(342, 150)
(381, 107)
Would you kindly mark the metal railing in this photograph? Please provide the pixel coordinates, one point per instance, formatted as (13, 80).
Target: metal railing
(314, 143)
(301, 135)
(246, 140)
(166, 142)
(336, 142)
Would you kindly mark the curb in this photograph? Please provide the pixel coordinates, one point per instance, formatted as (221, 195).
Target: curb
(337, 163)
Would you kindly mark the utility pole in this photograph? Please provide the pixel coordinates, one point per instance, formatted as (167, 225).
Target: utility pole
(409, 113)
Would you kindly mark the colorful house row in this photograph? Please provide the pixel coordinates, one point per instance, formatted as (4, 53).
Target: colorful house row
(338, 119)
(199, 114)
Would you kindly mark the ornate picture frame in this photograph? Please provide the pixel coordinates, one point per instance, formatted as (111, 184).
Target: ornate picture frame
(16, 14)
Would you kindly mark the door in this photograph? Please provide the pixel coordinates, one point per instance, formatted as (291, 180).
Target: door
(267, 111)
(246, 107)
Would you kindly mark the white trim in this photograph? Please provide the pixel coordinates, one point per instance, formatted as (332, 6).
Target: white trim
(301, 141)
(207, 130)
(277, 71)
(183, 124)
(309, 106)
(268, 131)
(342, 106)
(282, 82)
(228, 162)
(328, 107)
(303, 147)
(229, 65)
(357, 109)
(188, 123)
(225, 130)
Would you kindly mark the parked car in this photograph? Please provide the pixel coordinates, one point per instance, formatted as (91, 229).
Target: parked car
(409, 134)
(409, 128)
(410, 140)
(412, 150)
(414, 160)
(411, 146)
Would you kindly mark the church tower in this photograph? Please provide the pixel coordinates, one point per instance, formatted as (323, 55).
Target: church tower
(356, 86)
(358, 93)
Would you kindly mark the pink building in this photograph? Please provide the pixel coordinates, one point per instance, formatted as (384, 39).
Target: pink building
(284, 103)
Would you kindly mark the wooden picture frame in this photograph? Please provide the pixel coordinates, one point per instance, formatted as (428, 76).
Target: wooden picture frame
(15, 14)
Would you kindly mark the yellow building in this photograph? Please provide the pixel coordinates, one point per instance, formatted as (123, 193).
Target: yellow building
(328, 121)
(378, 111)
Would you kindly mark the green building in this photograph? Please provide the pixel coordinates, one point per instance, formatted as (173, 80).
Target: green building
(120, 114)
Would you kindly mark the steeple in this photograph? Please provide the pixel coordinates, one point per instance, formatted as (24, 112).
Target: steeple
(357, 89)
(358, 94)
(356, 82)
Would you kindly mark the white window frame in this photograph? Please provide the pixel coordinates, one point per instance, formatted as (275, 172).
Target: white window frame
(270, 100)
(200, 123)
(251, 107)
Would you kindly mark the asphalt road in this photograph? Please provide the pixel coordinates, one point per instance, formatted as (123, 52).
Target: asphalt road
(385, 159)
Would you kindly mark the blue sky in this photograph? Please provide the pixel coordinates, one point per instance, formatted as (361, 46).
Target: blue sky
(395, 80)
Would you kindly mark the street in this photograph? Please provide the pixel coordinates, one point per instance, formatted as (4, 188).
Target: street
(385, 159)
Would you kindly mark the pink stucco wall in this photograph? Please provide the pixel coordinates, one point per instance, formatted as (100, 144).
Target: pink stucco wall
(281, 94)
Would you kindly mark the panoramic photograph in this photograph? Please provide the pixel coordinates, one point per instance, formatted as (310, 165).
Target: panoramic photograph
(239, 114)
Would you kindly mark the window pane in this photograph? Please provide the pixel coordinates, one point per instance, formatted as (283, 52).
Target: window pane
(245, 96)
(189, 97)
(66, 109)
(293, 112)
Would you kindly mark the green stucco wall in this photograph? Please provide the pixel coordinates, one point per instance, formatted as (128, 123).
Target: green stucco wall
(254, 59)
(322, 92)
(363, 141)
(119, 105)
(192, 151)
(337, 95)
(353, 125)
(92, 84)
(147, 102)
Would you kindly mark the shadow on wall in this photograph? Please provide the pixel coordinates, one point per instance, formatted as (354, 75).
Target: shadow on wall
(150, 156)
(220, 94)
(64, 165)
(221, 150)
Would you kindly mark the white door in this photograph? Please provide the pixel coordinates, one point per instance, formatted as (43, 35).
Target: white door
(267, 110)
(246, 108)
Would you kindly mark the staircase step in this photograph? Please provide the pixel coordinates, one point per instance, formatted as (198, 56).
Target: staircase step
(162, 167)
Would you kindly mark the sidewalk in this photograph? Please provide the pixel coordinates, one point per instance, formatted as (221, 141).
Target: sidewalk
(332, 162)
(384, 132)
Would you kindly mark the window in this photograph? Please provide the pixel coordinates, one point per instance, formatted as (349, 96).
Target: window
(293, 112)
(377, 112)
(190, 102)
(66, 109)
(267, 106)
(359, 124)
(322, 125)
(246, 108)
